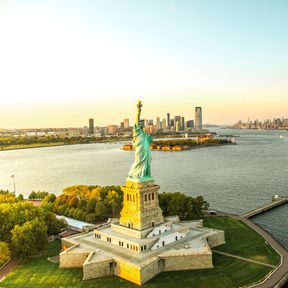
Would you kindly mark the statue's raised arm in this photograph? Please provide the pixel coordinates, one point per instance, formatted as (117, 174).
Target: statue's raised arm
(141, 168)
(139, 106)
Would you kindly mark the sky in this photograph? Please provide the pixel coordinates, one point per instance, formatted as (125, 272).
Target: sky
(62, 62)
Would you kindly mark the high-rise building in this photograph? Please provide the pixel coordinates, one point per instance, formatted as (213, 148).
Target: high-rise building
(198, 118)
(126, 123)
(177, 119)
(164, 126)
(182, 123)
(112, 129)
(121, 125)
(171, 123)
(190, 124)
(91, 126)
(168, 120)
(158, 124)
(177, 126)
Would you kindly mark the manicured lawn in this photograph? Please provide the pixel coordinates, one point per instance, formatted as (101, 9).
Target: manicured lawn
(227, 273)
(241, 240)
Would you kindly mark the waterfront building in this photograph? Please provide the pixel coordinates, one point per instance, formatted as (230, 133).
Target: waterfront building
(190, 124)
(150, 129)
(112, 129)
(91, 126)
(126, 123)
(121, 125)
(198, 118)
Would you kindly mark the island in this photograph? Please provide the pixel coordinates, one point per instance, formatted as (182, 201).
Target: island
(186, 144)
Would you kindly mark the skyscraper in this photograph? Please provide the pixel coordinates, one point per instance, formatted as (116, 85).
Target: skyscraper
(168, 120)
(158, 124)
(182, 123)
(177, 126)
(198, 118)
(177, 119)
(164, 126)
(91, 126)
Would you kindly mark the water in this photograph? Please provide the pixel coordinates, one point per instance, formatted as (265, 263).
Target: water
(233, 178)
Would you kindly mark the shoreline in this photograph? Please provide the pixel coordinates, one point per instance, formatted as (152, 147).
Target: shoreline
(109, 141)
(56, 145)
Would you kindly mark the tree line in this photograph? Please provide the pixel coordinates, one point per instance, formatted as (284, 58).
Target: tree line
(23, 227)
(96, 203)
(86, 203)
(186, 207)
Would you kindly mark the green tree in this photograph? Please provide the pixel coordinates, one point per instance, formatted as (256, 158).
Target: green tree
(18, 213)
(73, 202)
(101, 210)
(4, 253)
(54, 225)
(32, 195)
(28, 238)
(82, 204)
(50, 198)
(91, 205)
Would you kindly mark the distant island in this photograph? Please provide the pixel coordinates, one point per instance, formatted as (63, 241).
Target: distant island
(185, 144)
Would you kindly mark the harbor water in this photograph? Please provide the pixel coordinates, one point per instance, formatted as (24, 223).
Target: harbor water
(232, 178)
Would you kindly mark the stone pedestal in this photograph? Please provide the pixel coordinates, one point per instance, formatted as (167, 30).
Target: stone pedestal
(141, 205)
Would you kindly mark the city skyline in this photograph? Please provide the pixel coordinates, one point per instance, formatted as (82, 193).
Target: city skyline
(62, 62)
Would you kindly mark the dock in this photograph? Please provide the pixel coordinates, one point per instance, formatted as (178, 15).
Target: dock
(275, 203)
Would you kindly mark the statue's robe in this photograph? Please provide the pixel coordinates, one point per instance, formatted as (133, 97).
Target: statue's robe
(141, 142)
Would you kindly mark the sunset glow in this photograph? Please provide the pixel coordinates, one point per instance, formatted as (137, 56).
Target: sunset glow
(63, 62)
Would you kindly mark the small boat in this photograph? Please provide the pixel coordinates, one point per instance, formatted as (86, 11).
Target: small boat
(281, 136)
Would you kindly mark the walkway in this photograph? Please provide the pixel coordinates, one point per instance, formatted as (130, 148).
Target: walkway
(274, 279)
(9, 267)
(244, 259)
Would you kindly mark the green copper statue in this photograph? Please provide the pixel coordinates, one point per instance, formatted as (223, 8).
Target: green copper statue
(141, 169)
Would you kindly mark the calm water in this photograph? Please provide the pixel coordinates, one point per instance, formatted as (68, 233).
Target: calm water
(232, 178)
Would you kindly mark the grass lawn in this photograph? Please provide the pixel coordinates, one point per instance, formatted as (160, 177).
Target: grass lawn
(241, 240)
(227, 273)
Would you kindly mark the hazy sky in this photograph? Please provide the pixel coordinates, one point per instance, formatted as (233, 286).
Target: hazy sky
(62, 62)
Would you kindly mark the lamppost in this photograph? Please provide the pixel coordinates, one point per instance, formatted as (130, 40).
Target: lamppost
(13, 177)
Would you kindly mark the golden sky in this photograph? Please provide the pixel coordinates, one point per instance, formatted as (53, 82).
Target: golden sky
(61, 64)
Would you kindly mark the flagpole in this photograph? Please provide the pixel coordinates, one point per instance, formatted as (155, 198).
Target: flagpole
(14, 184)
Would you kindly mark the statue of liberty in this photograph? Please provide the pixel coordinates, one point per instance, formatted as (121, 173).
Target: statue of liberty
(141, 169)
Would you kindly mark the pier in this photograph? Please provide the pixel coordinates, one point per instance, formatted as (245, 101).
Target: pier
(275, 203)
